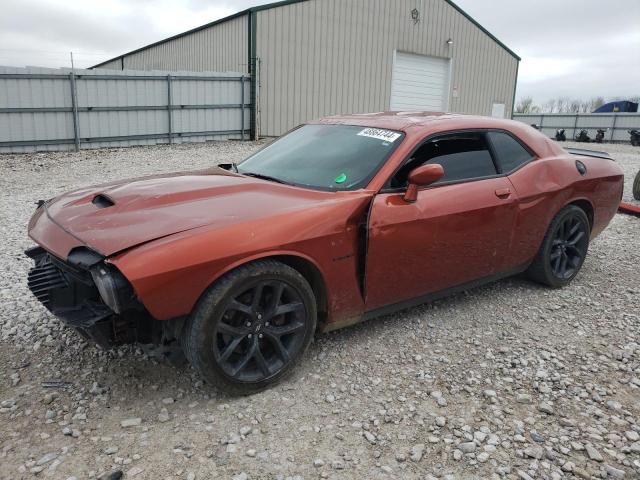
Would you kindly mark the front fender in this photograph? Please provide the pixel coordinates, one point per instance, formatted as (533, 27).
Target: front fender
(170, 274)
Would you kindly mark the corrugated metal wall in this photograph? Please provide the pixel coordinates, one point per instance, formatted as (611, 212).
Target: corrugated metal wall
(112, 65)
(322, 57)
(616, 124)
(38, 93)
(325, 57)
(118, 108)
(219, 48)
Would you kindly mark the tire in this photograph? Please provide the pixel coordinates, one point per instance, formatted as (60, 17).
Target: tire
(251, 327)
(562, 247)
(636, 187)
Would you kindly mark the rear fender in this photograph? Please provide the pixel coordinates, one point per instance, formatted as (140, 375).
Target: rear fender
(546, 186)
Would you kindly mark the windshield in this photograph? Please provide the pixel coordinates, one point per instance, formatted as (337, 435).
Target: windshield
(326, 157)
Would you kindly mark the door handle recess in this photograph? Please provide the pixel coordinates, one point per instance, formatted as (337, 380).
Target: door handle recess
(503, 192)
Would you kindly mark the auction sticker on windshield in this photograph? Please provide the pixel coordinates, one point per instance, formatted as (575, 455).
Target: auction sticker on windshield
(386, 135)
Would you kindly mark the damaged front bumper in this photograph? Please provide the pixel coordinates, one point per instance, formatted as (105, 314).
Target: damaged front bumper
(90, 296)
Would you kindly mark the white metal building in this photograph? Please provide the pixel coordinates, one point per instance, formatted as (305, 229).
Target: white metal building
(310, 58)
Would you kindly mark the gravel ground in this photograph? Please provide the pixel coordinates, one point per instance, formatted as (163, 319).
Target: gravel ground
(511, 380)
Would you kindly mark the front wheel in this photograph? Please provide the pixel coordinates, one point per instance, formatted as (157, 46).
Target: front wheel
(636, 187)
(563, 249)
(251, 327)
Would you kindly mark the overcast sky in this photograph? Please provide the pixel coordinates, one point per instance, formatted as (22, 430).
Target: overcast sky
(576, 48)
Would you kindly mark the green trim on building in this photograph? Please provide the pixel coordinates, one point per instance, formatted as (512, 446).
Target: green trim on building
(180, 35)
(268, 6)
(487, 32)
(515, 88)
(253, 70)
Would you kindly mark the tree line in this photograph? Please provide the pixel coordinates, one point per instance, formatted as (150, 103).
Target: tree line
(565, 105)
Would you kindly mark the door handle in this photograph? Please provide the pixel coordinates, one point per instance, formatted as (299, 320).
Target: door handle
(503, 192)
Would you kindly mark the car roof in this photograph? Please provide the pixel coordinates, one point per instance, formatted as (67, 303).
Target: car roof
(427, 123)
(403, 121)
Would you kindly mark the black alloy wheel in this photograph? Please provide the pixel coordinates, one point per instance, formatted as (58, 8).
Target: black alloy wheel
(260, 331)
(251, 327)
(563, 249)
(569, 247)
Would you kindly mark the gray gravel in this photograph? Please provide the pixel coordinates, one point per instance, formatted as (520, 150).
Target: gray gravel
(511, 380)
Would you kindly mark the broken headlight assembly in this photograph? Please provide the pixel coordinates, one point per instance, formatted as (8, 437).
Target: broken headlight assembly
(114, 289)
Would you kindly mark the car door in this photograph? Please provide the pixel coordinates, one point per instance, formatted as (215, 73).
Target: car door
(458, 230)
(534, 212)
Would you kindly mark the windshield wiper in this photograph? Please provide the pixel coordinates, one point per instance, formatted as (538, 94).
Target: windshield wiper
(265, 177)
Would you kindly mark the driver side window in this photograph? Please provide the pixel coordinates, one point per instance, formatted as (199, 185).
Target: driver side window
(463, 156)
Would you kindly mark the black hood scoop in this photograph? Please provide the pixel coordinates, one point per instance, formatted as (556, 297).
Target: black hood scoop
(102, 201)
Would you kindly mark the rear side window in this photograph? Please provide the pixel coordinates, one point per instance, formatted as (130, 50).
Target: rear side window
(511, 154)
(463, 156)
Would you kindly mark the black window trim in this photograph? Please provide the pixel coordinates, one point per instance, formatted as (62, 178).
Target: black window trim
(496, 162)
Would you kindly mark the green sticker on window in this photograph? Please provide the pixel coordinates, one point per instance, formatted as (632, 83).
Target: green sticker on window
(341, 178)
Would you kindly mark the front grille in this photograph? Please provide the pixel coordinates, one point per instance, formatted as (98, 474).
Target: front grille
(68, 291)
(43, 278)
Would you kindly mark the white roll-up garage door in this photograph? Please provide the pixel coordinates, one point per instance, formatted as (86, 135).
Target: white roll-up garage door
(419, 83)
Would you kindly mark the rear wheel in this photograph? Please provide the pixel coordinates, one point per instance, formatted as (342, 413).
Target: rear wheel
(563, 249)
(249, 330)
(636, 187)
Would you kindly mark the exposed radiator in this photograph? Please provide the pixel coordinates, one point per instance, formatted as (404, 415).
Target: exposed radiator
(43, 278)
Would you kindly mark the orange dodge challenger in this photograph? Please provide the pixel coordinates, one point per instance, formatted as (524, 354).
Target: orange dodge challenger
(340, 220)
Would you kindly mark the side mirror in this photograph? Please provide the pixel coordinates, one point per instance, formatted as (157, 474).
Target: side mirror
(420, 177)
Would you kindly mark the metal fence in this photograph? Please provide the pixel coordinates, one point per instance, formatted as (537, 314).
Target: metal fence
(615, 124)
(60, 109)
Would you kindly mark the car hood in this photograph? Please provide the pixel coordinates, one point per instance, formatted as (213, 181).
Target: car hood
(113, 217)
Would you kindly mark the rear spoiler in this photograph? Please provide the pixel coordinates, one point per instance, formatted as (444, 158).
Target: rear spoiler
(588, 153)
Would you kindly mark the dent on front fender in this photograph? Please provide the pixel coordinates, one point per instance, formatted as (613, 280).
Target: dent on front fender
(170, 274)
